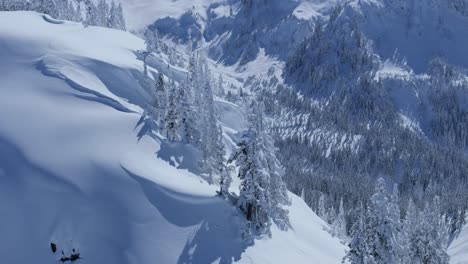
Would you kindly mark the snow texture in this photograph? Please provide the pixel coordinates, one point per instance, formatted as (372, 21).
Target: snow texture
(77, 170)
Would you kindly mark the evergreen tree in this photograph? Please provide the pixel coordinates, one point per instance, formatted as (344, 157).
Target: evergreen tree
(381, 231)
(184, 107)
(172, 115)
(254, 197)
(322, 212)
(278, 190)
(222, 169)
(424, 239)
(151, 40)
(91, 14)
(358, 250)
(120, 21)
(339, 223)
(395, 219)
(102, 14)
(160, 102)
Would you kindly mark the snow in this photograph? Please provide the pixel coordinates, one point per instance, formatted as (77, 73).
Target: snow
(419, 32)
(458, 249)
(140, 13)
(390, 69)
(309, 9)
(77, 169)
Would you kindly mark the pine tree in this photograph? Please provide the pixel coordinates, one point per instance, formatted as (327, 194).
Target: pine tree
(358, 250)
(172, 115)
(77, 16)
(223, 171)
(220, 91)
(102, 14)
(91, 14)
(278, 190)
(151, 40)
(209, 126)
(381, 230)
(254, 197)
(395, 219)
(113, 16)
(120, 21)
(322, 212)
(424, 239)
(160, 103)
(187, 127)
(339, 223)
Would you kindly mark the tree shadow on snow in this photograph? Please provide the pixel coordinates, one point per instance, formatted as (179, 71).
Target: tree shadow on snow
(180, 155)
(216, 235)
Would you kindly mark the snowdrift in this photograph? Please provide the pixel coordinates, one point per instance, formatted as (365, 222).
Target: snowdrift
(77, 170)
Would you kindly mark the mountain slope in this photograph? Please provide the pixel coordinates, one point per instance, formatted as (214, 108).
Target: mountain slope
(78, 163)
(458, 249)
(416, 31)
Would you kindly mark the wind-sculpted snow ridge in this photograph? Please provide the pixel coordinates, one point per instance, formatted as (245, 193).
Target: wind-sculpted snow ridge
(78, 170)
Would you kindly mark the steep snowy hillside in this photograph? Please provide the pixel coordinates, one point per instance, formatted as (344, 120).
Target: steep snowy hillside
(233, 32)
(416, 31)
(458, 250)
(78, 169)
(141, 13)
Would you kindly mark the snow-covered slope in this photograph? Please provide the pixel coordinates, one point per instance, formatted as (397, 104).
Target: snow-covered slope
(141, 13)
(232, 31)
(458, 249)
(416, 31)
(77, 168)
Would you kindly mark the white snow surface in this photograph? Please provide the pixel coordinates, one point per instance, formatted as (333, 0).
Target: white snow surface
(141, 13)
(77, 170)
(458, 249)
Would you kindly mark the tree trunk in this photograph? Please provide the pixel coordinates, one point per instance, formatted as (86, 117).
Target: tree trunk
(249, 211)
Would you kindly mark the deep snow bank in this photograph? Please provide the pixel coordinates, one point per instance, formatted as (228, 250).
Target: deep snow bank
(76, 170)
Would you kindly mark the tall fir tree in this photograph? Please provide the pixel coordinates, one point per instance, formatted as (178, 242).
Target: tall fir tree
(381, 230)
(254, 197)
(160, 104)
(171, 120)
(358, 249)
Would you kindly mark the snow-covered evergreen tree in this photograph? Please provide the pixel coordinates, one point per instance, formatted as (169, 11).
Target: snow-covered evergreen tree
(339, 223)
(358, 249)
(171, 120)
(395, 218)
(263, 193)
(425, 241)
(321, 211)
(278, 190)
(222, 169)
(160, 103)
(188, 131)
(102, 14)
(116, 17)
(381, 229)
(254, 198)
